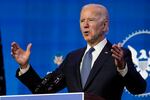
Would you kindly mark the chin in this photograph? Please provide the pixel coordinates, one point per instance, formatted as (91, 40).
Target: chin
(88, 41)
(87, 38)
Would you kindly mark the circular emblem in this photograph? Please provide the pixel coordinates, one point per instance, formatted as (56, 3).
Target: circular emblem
(138, 43)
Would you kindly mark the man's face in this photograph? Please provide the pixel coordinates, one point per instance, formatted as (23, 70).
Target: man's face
(92, 24)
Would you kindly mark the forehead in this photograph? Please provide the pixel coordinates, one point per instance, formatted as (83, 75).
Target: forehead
(92, 10)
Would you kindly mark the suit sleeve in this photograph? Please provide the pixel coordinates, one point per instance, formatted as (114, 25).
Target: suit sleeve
(29, 79)
(51, 83)
(133, 80)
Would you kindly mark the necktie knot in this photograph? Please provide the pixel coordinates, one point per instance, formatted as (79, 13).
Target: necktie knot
(91, 50)
(89, 54)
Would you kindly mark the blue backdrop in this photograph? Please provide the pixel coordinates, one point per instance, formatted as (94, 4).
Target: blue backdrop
(52, 26)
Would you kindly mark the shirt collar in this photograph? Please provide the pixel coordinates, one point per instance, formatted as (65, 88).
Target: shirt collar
(99, 46)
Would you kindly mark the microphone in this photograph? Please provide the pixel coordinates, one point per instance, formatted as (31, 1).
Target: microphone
(50, 83)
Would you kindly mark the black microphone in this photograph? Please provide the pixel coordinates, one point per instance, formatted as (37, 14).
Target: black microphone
(50, 83)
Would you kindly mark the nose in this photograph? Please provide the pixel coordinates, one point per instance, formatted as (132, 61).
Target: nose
(86, 24)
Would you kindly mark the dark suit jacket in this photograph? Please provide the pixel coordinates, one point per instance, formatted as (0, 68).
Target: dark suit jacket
(104, 79)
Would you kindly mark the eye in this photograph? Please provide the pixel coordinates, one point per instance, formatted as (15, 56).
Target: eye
(92, 19)
(82, 20)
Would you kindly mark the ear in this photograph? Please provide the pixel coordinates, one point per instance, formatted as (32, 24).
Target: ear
(106, 26)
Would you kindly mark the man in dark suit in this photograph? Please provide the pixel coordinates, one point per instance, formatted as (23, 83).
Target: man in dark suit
(100, 68)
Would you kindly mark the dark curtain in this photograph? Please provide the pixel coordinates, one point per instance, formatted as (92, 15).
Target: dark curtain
(2, 76)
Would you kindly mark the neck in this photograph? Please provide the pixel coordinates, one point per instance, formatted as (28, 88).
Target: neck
(94, 43)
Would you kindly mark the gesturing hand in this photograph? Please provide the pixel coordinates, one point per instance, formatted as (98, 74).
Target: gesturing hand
(20, 55)
(118, 54)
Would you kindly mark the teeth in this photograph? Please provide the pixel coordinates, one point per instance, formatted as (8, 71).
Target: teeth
(86, 32)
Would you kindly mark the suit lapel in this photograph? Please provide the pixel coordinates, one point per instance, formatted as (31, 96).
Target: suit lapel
(99, 63)
(77, 66)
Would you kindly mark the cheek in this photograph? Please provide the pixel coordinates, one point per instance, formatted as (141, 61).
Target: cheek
(93, 29)
(99, 28)
(81, 27)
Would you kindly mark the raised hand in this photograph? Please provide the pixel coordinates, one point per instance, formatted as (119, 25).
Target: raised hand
(20, 55)
(118, 54)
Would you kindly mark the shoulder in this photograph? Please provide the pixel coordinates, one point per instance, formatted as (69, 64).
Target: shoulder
(77, 52)
(74, 55)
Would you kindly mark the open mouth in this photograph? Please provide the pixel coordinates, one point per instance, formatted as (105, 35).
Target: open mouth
(86, 32)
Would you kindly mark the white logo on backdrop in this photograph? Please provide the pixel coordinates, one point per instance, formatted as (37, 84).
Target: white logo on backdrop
(141, 59)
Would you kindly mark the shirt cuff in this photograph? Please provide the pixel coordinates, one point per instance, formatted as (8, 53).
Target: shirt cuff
(124, 71)
(22, 71)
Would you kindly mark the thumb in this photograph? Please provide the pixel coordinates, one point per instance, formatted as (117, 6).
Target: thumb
(119, 44)
(29, 47)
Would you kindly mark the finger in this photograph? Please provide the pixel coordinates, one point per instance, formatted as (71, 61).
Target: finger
(120, 48)
(14, 51)
(13, 43)
(15, 56)
(119, 44)
(12, 54)
(116, 49)
(116, 57)
(119, 54)
(115, 53)
(15, 46)
(29, 47)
